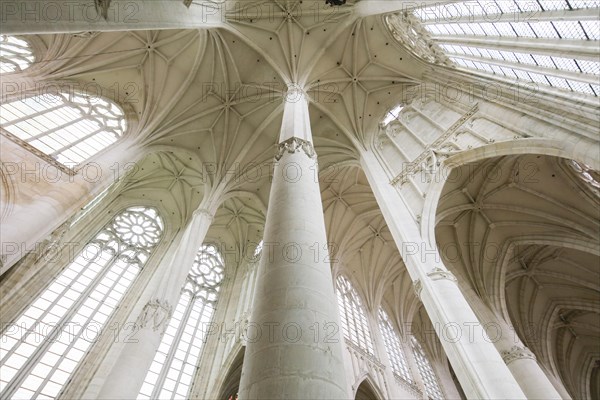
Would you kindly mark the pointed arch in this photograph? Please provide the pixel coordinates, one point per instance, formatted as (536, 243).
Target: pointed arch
(231, 382)
(580, 152)
(63, 128)
(368, 389)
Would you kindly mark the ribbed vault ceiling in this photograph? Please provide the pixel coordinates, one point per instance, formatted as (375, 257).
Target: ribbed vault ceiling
(523, 231)
(207, 105)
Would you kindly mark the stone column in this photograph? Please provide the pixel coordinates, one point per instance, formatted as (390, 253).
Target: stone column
(129, 370)
(477, 363)
(520, 360)
(294, 348)
(534, 382)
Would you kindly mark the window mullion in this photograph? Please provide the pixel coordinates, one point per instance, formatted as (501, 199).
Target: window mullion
(56, 128)
(187, 354)
(44, 313)
(33, 115)
(172, 349)
(79, 334)
(39, 351)
(76, 142)
(43, 348)
(74, 338)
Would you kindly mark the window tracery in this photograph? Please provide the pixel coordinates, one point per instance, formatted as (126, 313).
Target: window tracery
(42, 348)
(15, 54)
(587, 174)
(172, 371)
(65, 129)
(393, 114)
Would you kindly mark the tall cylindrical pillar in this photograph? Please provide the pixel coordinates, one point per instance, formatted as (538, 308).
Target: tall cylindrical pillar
(524, 367)
(294, 348)
(475, 360)
(127, 376)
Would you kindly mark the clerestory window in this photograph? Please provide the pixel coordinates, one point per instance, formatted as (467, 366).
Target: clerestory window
(63, 128)
(546, 42)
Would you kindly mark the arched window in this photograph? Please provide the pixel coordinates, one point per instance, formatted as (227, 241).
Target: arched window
(15, 54)
(64, 128)
(258, 251)
(393, 114)
(172, 371)
(354, 321)
(432, 387)
(587, 174)
(42, 348)
(393, 347)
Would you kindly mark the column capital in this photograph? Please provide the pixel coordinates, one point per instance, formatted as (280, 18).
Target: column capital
(517, 353)
(294, 145)
(204, 211)
(418, 286)
(156, 313)
(437, 274)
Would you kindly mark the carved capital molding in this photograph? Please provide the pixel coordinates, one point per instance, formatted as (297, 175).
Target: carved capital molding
(418, 286)
(437, 274)
(294, 145)
(203, 212)
(102, 7)
(517, 353)
(156, 314)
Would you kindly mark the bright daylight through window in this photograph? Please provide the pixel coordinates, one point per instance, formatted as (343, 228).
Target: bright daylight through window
(172, 371)
(43, 346)
(15, 54)
(67, 127)
(354, 320)
(512, 39)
